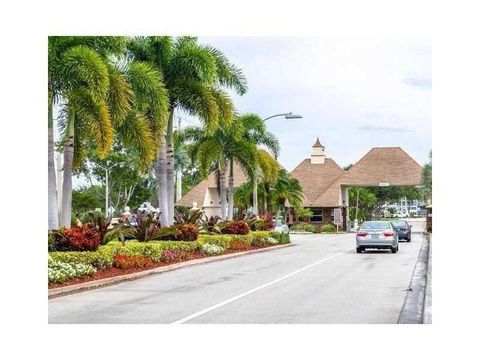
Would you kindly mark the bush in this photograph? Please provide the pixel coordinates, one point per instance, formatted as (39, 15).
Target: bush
(152, 249)
(237, 227)
(263, 223)
(281, 237)
(143, 226)
(77, 238)
(212, 249)
(238, 244)
(59, 272)
(102, 258)
(188, 232)
(304, 227)
(130, 262)
(175, 255)
(329, 228)
(264, 241)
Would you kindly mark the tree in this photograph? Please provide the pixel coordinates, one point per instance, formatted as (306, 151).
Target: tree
(220, 149)
(284, 189)
(103, 94)
(78, 82)
(247, 133)
(194, 75)
(427, 177)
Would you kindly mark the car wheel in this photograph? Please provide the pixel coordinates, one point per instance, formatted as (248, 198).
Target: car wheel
(394, 250)
(359, 250)
(409, 239)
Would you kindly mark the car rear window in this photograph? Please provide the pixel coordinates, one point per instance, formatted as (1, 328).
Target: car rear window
(375, 225)
(399, 223)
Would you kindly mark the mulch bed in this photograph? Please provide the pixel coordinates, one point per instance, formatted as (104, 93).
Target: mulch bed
(106, 273)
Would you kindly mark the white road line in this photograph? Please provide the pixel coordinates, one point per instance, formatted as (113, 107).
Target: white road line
(232, 299)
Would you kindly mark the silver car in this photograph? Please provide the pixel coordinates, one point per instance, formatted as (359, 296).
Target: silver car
(377, 235)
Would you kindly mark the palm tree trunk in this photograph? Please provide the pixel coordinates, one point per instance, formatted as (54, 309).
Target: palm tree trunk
(160, 171)
(52, 184)
(230, 191)
(223, 194)
(170, 170)
(255, 196)
(68, 144)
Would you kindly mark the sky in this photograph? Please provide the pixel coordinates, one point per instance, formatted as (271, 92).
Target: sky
(354, 94)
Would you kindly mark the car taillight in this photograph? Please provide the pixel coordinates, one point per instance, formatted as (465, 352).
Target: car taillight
(361, 233)
(388, 233)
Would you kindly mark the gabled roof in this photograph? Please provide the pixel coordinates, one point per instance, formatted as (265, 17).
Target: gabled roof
(389, 165)
(315, 179)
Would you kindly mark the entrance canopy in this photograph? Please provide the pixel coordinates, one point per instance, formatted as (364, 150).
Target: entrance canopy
(384, 166)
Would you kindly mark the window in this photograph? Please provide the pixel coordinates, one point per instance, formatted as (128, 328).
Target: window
(317, 215)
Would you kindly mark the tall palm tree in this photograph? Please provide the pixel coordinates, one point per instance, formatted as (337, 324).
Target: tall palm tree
(73, 62)
(221, 148)
(257, 134)
(194, 75)
(102, 96)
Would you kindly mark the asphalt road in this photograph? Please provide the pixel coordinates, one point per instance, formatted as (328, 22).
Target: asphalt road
(319, 280)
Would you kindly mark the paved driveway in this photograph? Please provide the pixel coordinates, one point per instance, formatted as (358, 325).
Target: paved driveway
(319, 280)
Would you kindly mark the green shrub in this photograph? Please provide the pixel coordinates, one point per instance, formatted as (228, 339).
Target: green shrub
(152, 249)
(212, 249)
(59, 272)
(304, 227)
(101, 258)
(329, 228)
(224, 240)
(280, 237)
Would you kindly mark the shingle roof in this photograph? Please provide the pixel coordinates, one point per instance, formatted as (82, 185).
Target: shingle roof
(315, 179)
(389, 165)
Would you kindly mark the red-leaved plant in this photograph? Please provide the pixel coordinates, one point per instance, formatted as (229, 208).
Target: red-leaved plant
(129, 262)
(188, 232)
(236, 227)
(238, 244)
(175, 255)
(77, 238)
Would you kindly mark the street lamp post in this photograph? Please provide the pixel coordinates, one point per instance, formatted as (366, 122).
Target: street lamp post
(289, 115)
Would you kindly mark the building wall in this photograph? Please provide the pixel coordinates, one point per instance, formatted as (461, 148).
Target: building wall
(327, 216)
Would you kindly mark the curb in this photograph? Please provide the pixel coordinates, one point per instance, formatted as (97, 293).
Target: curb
(427, 309)
(413, 309)
(71, 289)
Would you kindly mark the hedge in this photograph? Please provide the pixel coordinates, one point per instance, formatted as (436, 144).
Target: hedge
(103, 257)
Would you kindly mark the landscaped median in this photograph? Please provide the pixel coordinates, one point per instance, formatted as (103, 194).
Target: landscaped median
(117, 259)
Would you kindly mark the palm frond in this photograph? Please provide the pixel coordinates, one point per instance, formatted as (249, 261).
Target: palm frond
(83, 66)
(228, 74)
(94, 114)
(197, 99)
(136, 133)
(192, 61)
(120, 96)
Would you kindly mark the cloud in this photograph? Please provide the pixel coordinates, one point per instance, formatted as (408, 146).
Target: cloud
(381, 128)
(418, 81)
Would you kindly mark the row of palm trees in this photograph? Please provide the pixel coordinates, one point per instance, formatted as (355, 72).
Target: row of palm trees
(127, 90)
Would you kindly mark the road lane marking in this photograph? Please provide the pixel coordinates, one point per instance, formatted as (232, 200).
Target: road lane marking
(232, 299)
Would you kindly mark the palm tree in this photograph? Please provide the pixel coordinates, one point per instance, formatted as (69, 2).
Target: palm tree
(220, 149)
(194, 75)
(257, 134)
(101, 96)
(74, 66)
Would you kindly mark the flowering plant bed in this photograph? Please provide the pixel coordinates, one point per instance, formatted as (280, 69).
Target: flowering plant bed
(113, 271)
(115, 258)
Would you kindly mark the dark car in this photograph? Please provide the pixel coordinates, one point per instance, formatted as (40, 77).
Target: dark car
(403, 229)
